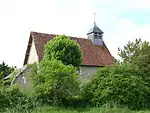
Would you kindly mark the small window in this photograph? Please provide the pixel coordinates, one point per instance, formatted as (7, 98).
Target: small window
(24, 80)
(95, 34)
(80, 72)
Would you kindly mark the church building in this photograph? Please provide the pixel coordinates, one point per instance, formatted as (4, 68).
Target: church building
(95, 52)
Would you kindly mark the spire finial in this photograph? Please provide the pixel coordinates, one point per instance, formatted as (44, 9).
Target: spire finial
(94, 14)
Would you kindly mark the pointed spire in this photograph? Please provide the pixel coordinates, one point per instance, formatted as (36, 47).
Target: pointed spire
(94, 18)
(95, 34)
(95, 29)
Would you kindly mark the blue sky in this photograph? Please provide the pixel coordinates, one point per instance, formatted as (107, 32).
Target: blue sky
(139, 17)
(120, 20)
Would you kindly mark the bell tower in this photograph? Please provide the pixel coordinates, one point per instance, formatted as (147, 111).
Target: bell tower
(96, 35)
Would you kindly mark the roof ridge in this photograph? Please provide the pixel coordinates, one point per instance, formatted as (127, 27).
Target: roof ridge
(32, 32)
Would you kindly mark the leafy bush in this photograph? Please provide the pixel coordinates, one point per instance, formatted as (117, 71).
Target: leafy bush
(13, 98)
(119, 85)
(10, 97)
(56, 82)
(64, 49)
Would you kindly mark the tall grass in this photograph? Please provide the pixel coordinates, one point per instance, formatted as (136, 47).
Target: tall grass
(50, 109)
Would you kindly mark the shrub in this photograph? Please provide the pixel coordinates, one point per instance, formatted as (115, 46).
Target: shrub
(120, 85)
(64, 49)
(13, 98)
(56, 82)
(10, 97)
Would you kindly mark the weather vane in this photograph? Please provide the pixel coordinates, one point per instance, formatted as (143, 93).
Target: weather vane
(94, 14)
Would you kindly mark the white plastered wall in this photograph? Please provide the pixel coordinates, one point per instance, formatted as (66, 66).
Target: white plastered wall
(33, 57)
(86, 72)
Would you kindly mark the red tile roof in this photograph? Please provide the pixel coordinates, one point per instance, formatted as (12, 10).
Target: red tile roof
(93, 55)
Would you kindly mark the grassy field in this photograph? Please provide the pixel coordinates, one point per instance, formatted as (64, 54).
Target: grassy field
(81, 110)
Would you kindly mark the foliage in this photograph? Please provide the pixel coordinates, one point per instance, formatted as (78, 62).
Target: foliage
(133, 50)
(13, 98)
(5, 70)
(7, 82)
(137, 53)
(64, 49)
(10, 97)
(119, 85)
(52, 109)
(32, 73)
(56, 81)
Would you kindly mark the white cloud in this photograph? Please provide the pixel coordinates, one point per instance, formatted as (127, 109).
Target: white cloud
(19, 17)
(126, 30)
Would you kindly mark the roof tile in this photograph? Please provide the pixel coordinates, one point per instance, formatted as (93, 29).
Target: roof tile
(93, 55)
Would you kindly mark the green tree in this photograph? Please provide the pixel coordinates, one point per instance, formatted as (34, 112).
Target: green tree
(138, 54)
(132, 50)
(5, 70)
(56, 81)
(64, 49)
